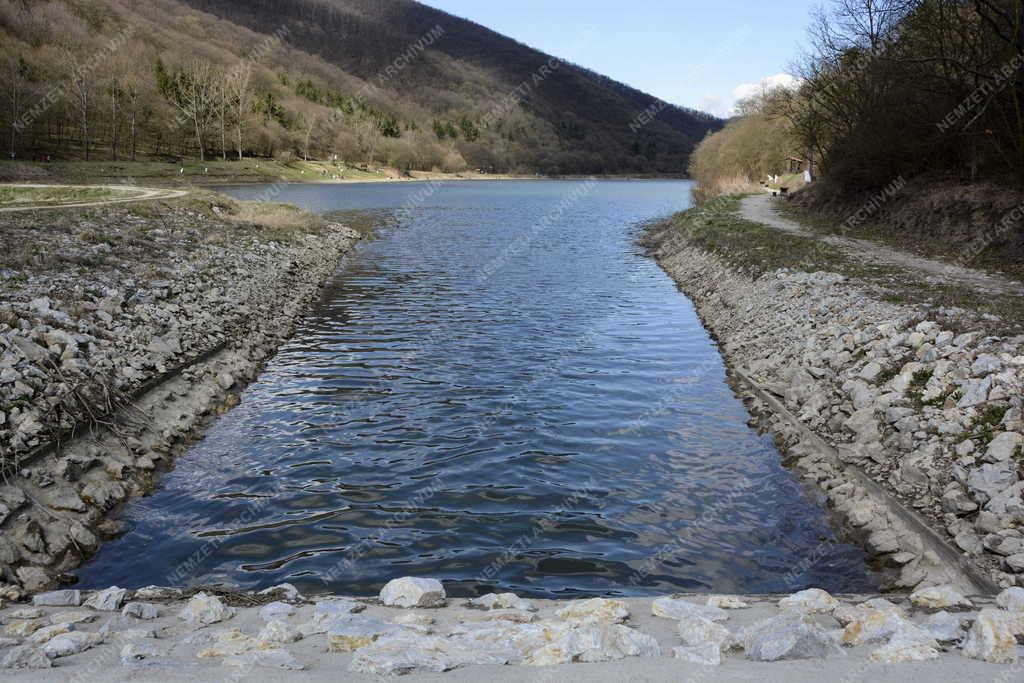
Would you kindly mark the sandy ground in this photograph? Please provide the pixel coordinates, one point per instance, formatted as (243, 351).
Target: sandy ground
(760, 209)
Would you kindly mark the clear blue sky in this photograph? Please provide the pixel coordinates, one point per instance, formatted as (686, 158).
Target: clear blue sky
(684, 51)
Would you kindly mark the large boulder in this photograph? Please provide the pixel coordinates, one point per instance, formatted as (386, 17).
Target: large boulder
(411, 591)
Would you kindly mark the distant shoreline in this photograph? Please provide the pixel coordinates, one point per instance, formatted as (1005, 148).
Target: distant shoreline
(252, 171)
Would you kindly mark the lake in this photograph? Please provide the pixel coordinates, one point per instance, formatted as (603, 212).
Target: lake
(502, 392)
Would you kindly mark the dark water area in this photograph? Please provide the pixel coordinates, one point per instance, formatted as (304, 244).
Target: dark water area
(502, 392)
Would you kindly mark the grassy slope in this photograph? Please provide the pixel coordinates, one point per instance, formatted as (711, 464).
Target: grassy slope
(756, 249)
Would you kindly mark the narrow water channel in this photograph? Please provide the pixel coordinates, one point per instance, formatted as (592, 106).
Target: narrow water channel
(500, 392)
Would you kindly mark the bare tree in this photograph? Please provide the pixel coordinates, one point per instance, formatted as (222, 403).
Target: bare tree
(223, 108)
(81, 81)
(115, 92)
(193, 90)
(311, 123)
(16, 80)
(131, 92)
(238, 84)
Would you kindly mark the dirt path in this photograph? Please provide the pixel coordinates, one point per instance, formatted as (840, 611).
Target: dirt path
(140, 194)
(760, 209)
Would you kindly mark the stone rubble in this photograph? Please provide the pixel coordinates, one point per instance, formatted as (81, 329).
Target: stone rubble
(173, 314)
(931, 413)
(367, 637)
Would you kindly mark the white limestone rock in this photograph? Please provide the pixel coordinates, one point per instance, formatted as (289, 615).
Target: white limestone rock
(63, 598)
(286, 591)
(700, 631)
(416, 621)
(413, 653)
(726, 602)
(595, 642)
(327, 611)
(1011, 599)
(944, 627)
(25, 657)
(670, 607)
(871, 625)
(595, 610)
(277, 631)
(347, 635)
(275, 611)
(787, 636)
(141, 610)
(75, 617)
(157, 593)
(708, 654)
(1003, 446)
(48, 633)
(810, 601)
(412, 591)
(517, 616)
(939, 597)
(24, 613)
(992, 637)
(22, 628)
(501, 601)
(107, 600)
(895, 653)
(71, 644)
(203, 610)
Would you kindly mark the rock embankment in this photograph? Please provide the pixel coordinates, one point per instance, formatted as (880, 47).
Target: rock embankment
(119, 331)
(413, 627)
(922, 401)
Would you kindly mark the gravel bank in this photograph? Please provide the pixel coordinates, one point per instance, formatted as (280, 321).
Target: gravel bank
(901, 415)
(121, 329)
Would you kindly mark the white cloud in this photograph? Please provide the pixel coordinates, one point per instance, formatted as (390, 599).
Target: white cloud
(779, 80)
(726, 106)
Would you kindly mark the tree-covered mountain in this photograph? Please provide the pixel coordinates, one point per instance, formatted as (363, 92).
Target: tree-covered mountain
(379, 81)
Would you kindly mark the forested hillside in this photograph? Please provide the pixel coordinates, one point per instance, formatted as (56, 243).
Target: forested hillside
(393, 82)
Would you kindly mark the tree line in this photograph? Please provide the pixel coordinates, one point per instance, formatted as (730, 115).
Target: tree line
(206, 78)
(900, 88)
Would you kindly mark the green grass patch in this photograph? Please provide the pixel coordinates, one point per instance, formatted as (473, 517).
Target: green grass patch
(715, 226)
(984, 425)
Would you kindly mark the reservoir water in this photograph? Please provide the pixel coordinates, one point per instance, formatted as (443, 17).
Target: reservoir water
(500, 391)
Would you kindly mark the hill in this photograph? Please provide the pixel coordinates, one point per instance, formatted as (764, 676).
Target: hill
(395, 83)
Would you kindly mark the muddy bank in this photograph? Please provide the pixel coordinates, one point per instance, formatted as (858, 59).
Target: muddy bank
(412, 627)
(908, 419)
(121, 330)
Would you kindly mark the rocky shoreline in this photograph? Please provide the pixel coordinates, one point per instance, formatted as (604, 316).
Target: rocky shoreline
(413, 627)
(908, 419)
(121, 330)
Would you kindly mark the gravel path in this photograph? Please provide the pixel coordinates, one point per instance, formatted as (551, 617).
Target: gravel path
(144, 194)
(759, 209)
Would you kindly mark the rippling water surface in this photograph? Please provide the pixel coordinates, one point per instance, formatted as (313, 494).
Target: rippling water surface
(501, 391)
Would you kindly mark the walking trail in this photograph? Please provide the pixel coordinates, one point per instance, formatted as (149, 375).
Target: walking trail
(138, 194)
(760, 209)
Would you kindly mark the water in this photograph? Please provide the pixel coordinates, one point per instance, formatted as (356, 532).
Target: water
(500, 392)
